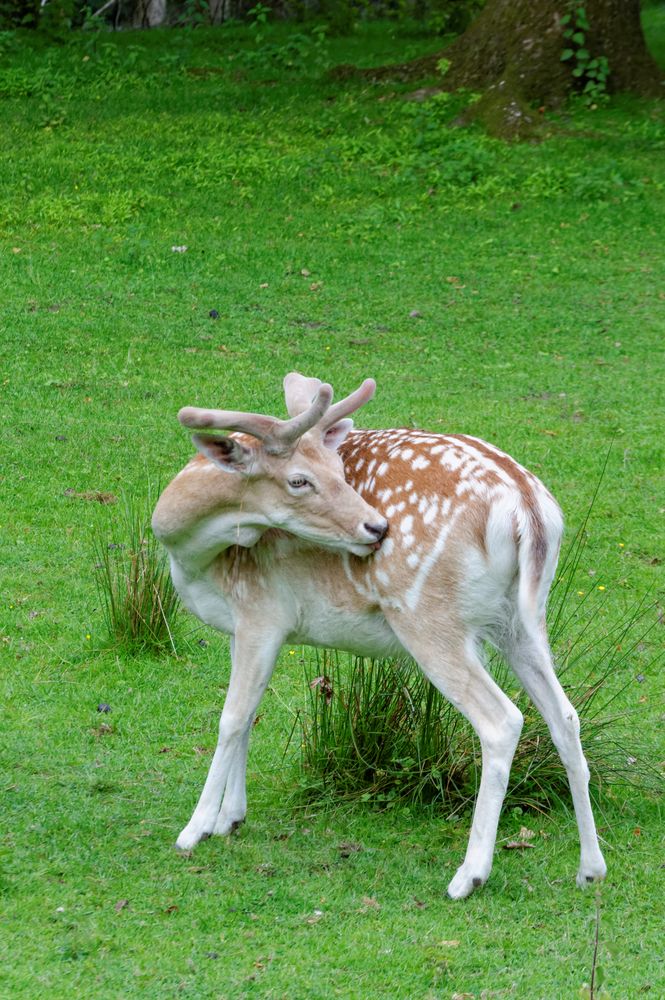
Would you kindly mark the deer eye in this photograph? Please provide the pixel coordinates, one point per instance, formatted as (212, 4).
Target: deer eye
(298, 482)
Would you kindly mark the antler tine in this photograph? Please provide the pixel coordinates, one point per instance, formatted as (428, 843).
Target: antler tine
(288, 431)
(256, 424)
(299, 391)
(350, 404)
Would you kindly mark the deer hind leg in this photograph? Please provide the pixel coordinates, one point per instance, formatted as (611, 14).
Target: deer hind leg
(528, 653)
(253, 662)
(459, 674)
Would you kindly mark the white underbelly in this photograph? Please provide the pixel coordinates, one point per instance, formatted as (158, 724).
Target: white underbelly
(364, 635)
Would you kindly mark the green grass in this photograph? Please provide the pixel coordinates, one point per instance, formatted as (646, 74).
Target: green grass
(537, 273)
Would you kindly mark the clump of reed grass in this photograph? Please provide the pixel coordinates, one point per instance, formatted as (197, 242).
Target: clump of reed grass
(138, 600)
(378, 731)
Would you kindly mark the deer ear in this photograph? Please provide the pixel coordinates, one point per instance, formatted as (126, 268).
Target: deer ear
(336, 435)
(226, 452)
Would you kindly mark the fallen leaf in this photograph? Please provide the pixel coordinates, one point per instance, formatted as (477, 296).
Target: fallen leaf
(325, 686)
(103, 729)
(371, 903)
(120, 905)
(96, 496)
(517, 845)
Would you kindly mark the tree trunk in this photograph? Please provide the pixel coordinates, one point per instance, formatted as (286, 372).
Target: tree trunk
(149, 13)
(219, 11)
(512, 54)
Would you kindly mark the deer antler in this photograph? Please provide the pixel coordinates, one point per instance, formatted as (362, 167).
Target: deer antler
(277, 435)
(349, 404)
(299, 391)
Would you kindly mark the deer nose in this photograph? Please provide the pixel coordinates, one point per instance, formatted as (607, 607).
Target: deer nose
(379, 530)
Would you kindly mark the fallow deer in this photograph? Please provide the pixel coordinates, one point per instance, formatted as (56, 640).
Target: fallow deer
(380, 542)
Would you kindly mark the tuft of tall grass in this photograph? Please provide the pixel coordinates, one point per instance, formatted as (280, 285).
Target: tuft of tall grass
(138, 600)
(377, 730)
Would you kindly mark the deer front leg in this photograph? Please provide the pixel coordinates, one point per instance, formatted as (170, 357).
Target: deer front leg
(253, 661)
(234, 803)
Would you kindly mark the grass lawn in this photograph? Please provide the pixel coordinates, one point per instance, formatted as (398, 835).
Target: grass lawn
(511, 292)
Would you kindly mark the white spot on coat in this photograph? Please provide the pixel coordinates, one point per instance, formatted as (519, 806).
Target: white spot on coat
(431, 512)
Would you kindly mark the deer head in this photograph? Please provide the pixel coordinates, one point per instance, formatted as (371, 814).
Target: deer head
(293, 475)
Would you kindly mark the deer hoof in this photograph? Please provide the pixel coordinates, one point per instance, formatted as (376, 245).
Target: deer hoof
(463, 883)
